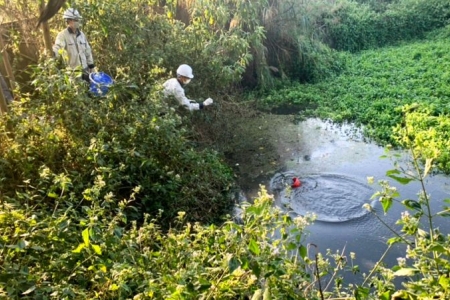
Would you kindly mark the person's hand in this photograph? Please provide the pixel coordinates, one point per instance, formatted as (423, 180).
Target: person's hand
(207, 102)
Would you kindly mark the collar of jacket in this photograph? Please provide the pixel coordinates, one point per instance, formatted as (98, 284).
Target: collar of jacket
(180, 82)
(77, 31)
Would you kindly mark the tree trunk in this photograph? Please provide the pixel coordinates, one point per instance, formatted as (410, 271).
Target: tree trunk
(4, 53)
(3, 105)
(47, 37)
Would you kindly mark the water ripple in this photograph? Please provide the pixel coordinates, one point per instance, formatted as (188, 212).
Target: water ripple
(331, 197)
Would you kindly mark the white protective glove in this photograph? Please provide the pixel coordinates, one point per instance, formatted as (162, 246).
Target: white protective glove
(207, 102)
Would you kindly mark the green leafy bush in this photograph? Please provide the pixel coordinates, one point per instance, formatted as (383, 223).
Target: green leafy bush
(426, 133)
(353, 26)
(149, 43)
(426, 263)
(375, 87)
(56, 146)
(88, 254)
(85, 251)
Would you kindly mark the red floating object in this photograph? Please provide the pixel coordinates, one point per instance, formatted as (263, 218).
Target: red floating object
(296, 182)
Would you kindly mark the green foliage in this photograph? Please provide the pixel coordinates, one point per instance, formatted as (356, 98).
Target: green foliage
(295, 40)
(377, 5)
(57, 146)
(147, 45)
(107, 197)
(426, 133)
(353, 26)
(375, 86)
(350, 26)
(87, 254)
(426, 262)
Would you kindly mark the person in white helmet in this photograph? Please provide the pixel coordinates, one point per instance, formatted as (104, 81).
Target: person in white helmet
(74, 42)
(174, 87)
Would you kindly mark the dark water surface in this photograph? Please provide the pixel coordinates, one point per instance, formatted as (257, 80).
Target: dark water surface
(330, 197)
(333, 164)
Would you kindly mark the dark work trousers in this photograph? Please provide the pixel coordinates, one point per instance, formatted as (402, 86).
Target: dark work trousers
(85, 76)
(87, 81)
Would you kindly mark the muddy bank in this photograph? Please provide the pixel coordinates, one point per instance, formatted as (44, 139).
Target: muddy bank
(259, 148)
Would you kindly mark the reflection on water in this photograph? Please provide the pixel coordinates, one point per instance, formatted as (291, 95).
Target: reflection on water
(324, 149)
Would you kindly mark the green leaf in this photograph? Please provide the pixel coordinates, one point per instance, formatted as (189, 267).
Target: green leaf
(85, 235)
(361, 293)
(255, 210)
(253, 247)
(412, 204)
(233, 264)
(202, 285)
(291, 246)
(79, 248)
(256, 269)
(52, 195)
(402, 180)
(386, 203)
(444, 281)
(245, 264)
(438, 248)
(21, 244)
(394, 240)
(385, 296)
(97, 249)
(102, 268)
(395, 268)
(406, 272)
(63, 225)
(393, 171)
(303, 251)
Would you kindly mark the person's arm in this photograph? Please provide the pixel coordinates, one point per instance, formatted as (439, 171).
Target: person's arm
(183, 100)
(89, 57)
(173, 88)
(60, 43)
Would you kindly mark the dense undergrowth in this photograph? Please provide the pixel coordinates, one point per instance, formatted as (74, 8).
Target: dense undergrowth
(118, 197)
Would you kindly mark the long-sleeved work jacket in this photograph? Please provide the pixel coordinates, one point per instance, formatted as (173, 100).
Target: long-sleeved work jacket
(77, 47)
(172, 87)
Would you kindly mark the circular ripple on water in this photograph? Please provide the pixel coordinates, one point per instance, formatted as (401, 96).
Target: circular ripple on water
(331, 197)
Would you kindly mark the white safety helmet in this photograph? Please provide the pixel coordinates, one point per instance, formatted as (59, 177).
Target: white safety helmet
(72, 14)
(185, 70)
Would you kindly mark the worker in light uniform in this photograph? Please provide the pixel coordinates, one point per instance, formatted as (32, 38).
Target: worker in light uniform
(174, 87)
(74, 42)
